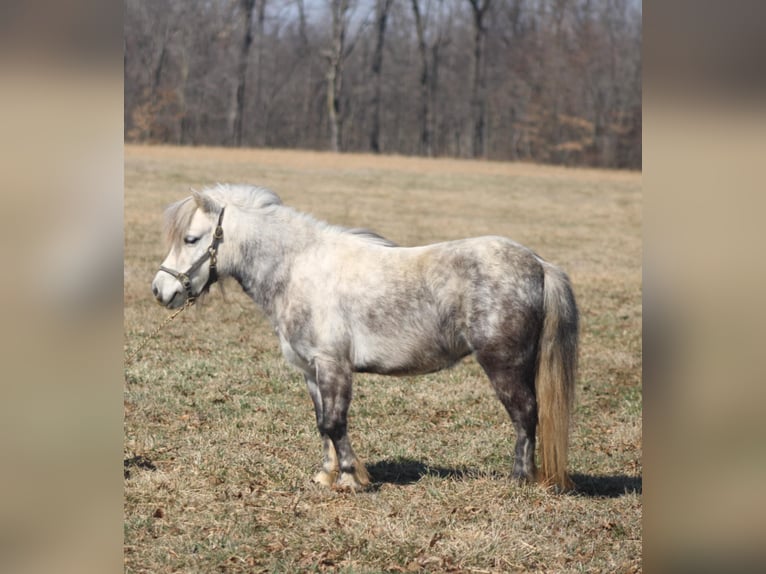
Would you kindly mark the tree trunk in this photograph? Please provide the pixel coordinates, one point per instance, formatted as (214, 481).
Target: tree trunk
(183, 123)
(433, 91)
(239, 102)
(478, 93)
(260, 135)
(382, 7)
(304, 123)
(335, 70)
(425, 80)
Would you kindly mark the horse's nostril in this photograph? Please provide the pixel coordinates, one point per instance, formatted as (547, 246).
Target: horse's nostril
(156, 292)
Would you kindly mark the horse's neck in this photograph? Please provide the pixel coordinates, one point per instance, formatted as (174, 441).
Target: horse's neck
(268, 254)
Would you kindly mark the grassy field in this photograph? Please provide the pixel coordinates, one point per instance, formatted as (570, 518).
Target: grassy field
(220, 438)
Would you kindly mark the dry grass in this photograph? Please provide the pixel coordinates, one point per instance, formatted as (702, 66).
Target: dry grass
(220, 442)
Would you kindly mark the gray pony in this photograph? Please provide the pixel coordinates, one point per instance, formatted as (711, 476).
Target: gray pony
(346, 301)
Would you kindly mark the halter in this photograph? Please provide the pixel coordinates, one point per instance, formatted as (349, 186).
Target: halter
(211, 253)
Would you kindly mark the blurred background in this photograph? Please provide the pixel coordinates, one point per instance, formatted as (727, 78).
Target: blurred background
(537, 94)
(61, 289)
(534, 80)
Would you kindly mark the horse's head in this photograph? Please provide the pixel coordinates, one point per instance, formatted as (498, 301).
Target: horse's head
(194, 231)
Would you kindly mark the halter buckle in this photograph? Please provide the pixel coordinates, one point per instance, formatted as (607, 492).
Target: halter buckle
(185, 281)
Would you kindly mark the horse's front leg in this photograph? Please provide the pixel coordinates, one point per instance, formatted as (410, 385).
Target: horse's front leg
(333, 383)
(329, 473)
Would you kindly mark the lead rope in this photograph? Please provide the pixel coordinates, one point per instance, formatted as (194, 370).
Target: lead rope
(168, 319)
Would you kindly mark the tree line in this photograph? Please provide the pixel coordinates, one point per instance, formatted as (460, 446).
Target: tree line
(553, 81)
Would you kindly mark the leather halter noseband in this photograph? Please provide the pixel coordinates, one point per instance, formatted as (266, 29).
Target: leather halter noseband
(211, 253)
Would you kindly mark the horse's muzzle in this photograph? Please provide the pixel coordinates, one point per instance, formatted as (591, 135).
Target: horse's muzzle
(166, 291)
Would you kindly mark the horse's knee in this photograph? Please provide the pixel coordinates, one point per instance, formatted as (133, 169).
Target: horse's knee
(332, 426)
(320, 420)
(334, 393)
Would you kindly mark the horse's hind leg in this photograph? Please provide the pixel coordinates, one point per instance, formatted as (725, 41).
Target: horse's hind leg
(333, 386)
(512, 373)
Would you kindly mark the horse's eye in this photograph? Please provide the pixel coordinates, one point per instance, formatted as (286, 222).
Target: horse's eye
(190, 240)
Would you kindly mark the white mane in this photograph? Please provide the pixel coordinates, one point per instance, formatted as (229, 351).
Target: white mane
(248, 197)
(245, 197)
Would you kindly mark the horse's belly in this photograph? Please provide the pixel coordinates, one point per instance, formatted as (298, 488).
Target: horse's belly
(397, 357)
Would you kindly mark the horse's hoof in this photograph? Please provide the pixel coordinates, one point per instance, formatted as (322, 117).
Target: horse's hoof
(521, 477)
(350, 481)
(325, 478)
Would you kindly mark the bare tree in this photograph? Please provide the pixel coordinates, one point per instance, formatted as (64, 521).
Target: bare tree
(430, 43)
(479, 10)
(425, 80)
(335, 56)
(248, 8)
(382, 8)
(259, 46)
(303, 92)
(238, 114)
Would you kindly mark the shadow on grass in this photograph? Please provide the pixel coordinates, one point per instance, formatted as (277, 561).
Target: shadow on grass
(139, 461)
(607, 486)
(408, 471)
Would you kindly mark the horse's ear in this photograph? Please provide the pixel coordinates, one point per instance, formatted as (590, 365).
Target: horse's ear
(205, 202)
